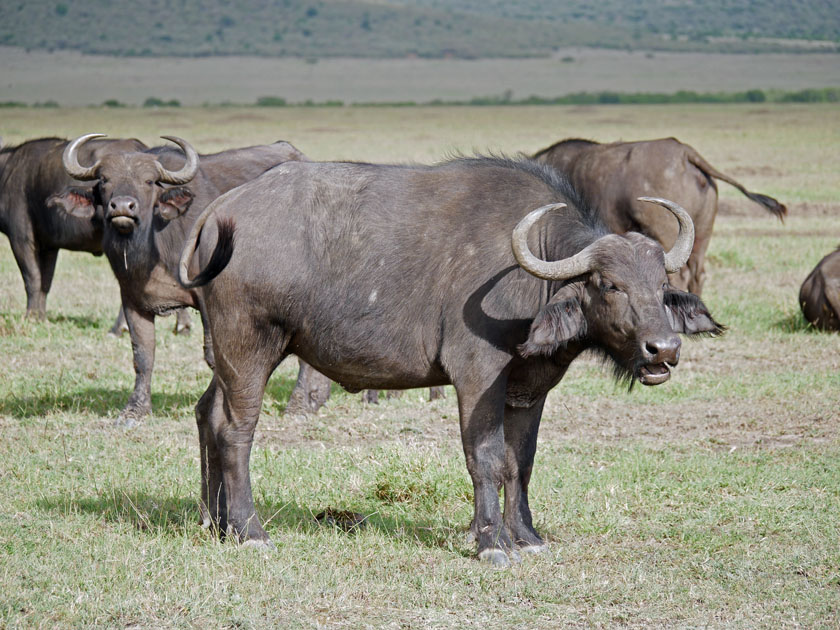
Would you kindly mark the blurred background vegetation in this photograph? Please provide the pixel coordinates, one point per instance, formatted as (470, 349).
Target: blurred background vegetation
(422, 28)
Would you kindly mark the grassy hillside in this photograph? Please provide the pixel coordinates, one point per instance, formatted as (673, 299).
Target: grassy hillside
(396, 28)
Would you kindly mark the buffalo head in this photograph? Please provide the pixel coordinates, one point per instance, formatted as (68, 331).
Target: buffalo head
(616, 299)
(129, 187)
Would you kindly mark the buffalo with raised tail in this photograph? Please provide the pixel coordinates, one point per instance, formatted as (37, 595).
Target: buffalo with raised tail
(819, 296)
(399, 277)
(611, 177)
(148, 201)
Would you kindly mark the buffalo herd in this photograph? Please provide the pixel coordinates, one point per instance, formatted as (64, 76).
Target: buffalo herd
(490, 274)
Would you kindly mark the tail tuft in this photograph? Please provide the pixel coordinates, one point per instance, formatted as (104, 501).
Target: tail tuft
(778, 209)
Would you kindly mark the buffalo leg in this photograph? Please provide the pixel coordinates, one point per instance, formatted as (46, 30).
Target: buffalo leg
(436, 393)
(227, 417)
(27, 260)
(183, 321)
(46, 264)
(213, 505)
(311, 392)
(482, 435)
(521, 427)
(141, 327)
(120, 325)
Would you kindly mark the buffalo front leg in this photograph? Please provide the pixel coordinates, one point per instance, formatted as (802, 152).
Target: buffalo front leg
(27, 258)
(482, 435)
(141, 328)
(521, 428)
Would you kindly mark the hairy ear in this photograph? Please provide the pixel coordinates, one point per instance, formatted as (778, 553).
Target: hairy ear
(79, 202)
(559, 322)
(173, 202)
(688, 315)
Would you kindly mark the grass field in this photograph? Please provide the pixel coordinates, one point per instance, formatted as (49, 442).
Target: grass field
(73, 79)
(710, 501)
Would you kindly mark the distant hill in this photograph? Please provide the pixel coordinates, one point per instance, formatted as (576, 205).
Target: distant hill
(425, 28)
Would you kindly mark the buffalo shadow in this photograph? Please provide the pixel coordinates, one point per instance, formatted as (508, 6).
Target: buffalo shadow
(174, 516)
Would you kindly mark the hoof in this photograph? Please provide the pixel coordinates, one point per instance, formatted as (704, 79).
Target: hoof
(127, 422)
(261, 545)
(499, 558)
(183, 330)
(534, 549)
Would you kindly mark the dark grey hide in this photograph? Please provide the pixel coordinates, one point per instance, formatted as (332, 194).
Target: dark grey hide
(611, 177)
(145, 222)
(393, 277)
(819, 296)
(30, 174)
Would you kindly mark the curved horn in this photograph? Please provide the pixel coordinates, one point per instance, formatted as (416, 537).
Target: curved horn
(70, 159)
(189, 169)
(556, 270)
(681, 250)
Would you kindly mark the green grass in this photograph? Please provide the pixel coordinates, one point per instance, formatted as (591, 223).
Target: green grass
(710, 501)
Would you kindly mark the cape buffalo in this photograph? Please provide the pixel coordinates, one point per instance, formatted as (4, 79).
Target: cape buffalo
(396, 277)
(29, 174)
(819, 296)
(150, 200)
(612, 176)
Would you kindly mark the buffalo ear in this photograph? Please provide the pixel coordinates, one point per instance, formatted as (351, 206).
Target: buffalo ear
(173, 202)
(78, 202)
(558, 323)
(688, 315)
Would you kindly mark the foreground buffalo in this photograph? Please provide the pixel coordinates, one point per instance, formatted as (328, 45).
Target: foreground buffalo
(396, 277)
(149, 202)
(819, 296)
(612, 176)
(29, 175)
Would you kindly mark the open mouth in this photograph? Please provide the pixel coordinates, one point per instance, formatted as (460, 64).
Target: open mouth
(123, 224)
(654, 373)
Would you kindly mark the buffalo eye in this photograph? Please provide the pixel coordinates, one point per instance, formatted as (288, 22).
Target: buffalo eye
(103, 180)
(609, 287)
(149, 182)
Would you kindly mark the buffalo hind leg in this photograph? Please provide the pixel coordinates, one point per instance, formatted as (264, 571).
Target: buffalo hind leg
(227, 418)
(183, 322)
(521, 427)
(213, 504)
(482, 435)
(311, 392)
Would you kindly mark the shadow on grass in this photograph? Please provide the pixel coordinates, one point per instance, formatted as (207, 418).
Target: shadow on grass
(82, 322)
(98, 401)
(795, 322)
(177, 516)
(102, 401)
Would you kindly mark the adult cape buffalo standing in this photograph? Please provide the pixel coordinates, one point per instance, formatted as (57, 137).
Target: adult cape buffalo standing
(819, 296)
(29, 174)
(150, 200)
(612, 176)
(403, 276)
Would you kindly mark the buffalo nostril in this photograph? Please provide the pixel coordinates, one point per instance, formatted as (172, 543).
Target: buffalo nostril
(663, 350)
(132, 205)
(112, 205)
